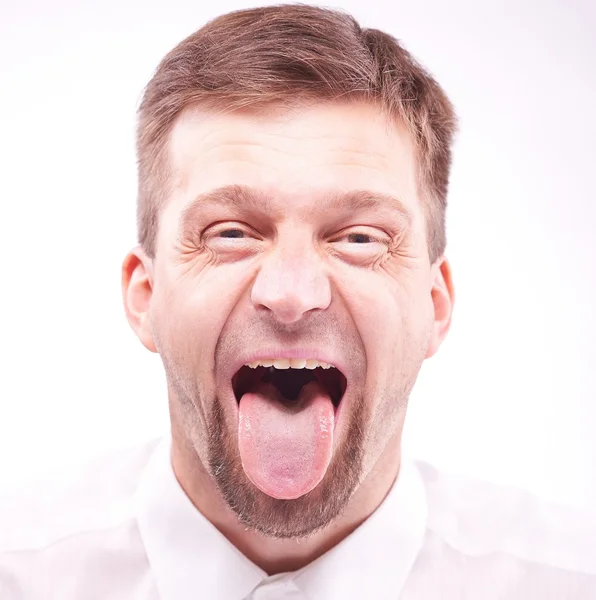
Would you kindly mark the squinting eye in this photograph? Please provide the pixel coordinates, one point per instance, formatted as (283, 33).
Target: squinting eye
(231, 233)
(360, 238)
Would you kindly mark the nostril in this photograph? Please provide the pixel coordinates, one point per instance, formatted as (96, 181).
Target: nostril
(291, 290)
(286, 313)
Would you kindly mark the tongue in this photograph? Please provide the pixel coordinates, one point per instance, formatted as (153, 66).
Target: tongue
(286, 448)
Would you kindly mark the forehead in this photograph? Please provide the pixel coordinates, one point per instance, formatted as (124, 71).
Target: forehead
(296, 156)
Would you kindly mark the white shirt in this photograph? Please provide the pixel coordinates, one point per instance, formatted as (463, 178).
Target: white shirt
(123, 529)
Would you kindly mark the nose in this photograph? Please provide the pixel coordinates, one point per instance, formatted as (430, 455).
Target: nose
(291, 283)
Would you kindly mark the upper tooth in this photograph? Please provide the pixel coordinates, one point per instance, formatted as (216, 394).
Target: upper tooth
(281, 363)
(289, 363)
(297, 363)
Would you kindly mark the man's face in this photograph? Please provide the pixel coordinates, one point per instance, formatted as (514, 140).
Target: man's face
(296, 232)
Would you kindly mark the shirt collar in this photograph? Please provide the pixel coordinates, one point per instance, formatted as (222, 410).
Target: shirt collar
(375, 560)
(190, 557)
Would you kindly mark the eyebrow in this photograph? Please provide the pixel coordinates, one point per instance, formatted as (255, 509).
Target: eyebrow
(243, 197)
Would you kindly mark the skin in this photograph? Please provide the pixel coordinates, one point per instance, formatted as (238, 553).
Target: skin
(289, 270)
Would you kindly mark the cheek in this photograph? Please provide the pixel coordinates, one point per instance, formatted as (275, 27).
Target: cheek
(393, 321)
(189, 312)
(381, 311)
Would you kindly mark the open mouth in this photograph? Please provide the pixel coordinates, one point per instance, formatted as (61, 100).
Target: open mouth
(290, 381)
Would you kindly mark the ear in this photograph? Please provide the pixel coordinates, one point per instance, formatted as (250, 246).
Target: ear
(137, 288)
(443, 298)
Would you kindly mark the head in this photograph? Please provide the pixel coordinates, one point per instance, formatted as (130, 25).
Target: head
(293, 172)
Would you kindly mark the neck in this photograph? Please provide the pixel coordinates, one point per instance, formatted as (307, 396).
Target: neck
(274, 555)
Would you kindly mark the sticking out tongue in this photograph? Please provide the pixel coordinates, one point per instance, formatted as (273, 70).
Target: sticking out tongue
(286, 448)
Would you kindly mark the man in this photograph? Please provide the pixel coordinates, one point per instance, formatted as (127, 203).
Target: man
(293, 172)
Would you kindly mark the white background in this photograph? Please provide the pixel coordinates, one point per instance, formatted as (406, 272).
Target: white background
(510, 397)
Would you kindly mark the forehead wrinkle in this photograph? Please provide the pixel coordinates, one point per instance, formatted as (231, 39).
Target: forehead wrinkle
(242, 197)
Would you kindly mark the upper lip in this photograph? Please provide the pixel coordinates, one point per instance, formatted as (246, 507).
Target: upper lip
(285, 352)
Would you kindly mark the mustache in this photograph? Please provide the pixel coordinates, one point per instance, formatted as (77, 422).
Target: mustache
(261, 330)
(265, 329)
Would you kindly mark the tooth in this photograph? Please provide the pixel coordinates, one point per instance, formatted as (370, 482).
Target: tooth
(281, 363)
(289, 363)
(297, 363)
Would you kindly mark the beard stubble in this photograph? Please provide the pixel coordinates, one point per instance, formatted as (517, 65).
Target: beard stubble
(285, 519)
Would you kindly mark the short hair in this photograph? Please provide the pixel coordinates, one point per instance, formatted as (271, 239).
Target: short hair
(281, 55)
